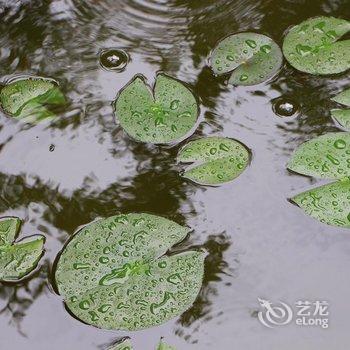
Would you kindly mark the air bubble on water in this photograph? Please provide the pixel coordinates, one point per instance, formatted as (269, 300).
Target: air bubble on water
(284, 107)
(114, 59)
(52, 148)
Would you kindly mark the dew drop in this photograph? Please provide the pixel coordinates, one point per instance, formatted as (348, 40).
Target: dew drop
(340, 144)
(251, 43)
(243, 77)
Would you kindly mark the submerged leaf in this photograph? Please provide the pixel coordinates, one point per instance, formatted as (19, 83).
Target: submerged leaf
(124, 344)
(343, 98)
(312, 46)
(252, 58)
(216, 160)
(166, 117)
(326, 156)
(329, 204)
(28, 98)
(342, 117)
(113, 273)
(17, 259)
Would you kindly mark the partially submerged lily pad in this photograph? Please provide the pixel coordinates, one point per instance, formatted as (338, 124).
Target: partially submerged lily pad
(113, 273)
(124, 344)
(252, 58)
(29, 98)
(343, 98)
(342, 117)
(165, 116)
(20, 258)
(313, 46)
(327, 156)
(216, 160)
(329, 204)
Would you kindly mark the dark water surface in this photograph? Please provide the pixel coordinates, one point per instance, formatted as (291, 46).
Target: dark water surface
(59, 176)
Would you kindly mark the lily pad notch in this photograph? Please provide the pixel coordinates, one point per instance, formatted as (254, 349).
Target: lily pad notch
(114, 273)
(342, 116)
(18, 258)
(326, 157)
(213, 161)
(250, 58)
(165, 115)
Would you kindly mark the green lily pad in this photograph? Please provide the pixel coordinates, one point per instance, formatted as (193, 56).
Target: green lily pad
(252, 58)
(343, 98)
(20, 258)
(113, 273)
(166, 115)
(342, 117)
(329, 204)
(327, 156)
(313, 46)
(27, 99)
(216, 160)
(124, 344)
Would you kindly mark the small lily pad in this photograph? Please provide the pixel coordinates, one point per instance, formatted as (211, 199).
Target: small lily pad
(342, 117)
(216, 160)
(343, 98)
(165, 116)
(252, 58)
(27, 99)
(313, 46)
(163, 346)
(20, 258)
(327, 156)
(113, 273)
(329, 204)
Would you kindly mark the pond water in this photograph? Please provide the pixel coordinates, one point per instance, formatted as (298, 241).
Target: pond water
(61, 175)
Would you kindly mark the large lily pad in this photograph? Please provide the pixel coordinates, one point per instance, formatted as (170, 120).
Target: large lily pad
(113, 273)
(216, 160)
(329, 204)
(165, 116)
(313, 46)
(252, 58)
(327, 156)
(17, 259)
(29, 98)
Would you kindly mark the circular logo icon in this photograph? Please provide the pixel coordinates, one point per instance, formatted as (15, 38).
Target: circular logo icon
(274, 315)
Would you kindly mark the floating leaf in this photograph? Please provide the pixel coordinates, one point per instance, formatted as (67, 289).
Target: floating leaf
(312, 46)
(342, 117)
(329, 204)
(165, 116)
(17, 259)
(327, 156)
(343, 98)
(252, 58)
(27, 98)
(163, 346)
(216, 160)
(124, 344)
(113, 273)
